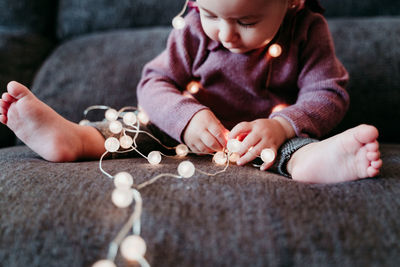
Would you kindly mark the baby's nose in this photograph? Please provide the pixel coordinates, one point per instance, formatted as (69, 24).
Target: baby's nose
(227, 33)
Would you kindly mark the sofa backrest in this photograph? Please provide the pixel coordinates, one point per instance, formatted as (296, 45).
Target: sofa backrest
(76, 17)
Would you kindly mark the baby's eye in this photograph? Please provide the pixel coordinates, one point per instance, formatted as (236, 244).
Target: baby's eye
(246, 24)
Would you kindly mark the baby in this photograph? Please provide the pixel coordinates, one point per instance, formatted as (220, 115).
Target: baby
(246, 58)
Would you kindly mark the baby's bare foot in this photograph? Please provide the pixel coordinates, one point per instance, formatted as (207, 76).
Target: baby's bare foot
(43, 130)
(351, 155)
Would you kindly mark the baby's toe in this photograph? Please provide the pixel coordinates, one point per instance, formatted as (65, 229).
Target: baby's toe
(373, 156)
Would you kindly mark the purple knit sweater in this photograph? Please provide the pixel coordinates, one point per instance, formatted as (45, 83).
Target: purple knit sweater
(307, 77)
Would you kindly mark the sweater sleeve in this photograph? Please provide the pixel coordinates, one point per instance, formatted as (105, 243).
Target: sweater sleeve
(160, 91)
(322, 99)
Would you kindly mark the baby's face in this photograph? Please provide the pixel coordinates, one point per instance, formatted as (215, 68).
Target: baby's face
(242, 25)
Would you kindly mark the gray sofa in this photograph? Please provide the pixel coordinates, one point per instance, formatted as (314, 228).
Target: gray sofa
(74, 54)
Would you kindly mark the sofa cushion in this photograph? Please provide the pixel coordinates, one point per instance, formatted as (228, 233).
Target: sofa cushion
(76, 17)
(97, 69)
(21, 54)
(36, 16)
(60, 214)
(370, 50)
(357, 8)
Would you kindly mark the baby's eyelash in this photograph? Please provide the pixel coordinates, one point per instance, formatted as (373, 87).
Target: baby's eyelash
(247, 25)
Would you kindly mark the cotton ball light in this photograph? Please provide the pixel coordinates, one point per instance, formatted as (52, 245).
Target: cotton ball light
(104, 263)
(234, 157)
(220, 158)
(133, 248)
(111, 144)
(123, 180)
(154, 157)
(129, 118)
(84, 122)
(126, 141)
(143, 118)
(181, 150)
(234, 145)
(122, 197)
(111, 114)
(178, 22)
(186, 169)
(115, 127)
(267, 155)
(275, 50)
(193, 87)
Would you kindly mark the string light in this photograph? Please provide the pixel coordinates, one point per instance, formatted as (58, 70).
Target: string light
(111, 144)
(104, 263)
(186, 169)
(182, 150)
(130, 118)
(126, 141)
(133, 248)
(178, 22)
(111, 114)
(154, 157)
(115, 127)
(122, 197)
(193, 87)
(268, 155)
(123, 180)
(279, 107)
(220, 158)
(275, 50)
(143, 118)
(233, 145)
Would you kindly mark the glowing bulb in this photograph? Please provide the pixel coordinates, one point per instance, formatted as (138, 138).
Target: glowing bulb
(234, 145)
(126, 141)
(178, 22)
(193, 87)
(186, 169)
(129, 118)
(181, 150)
(115, 127)
(123, 180)
(154, 157)
(279, 107)
(111, 114)
(84, 122)
(111, 144)
(275, 50)
(233, 157)
(143, 118)
(220, 158)
(122, 197)
(267, 155)
(133, 248)
(104, 263)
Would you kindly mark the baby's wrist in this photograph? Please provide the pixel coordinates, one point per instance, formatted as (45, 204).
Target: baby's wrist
(286, 127)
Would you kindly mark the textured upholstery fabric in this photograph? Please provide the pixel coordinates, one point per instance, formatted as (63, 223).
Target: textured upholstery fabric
(61, 215)
(370, 50)
(97, 69)
(21, 54)
(357, 8)
(32, 16)
(78, 17)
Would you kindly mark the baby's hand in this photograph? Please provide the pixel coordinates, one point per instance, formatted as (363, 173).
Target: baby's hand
(205, 133)
(260, 134)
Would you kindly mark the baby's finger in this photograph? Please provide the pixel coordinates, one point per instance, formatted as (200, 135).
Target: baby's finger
(219, 133)
(201, 148)
(250, 155)
(248, 143)
(210, 141)
(241, 128)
